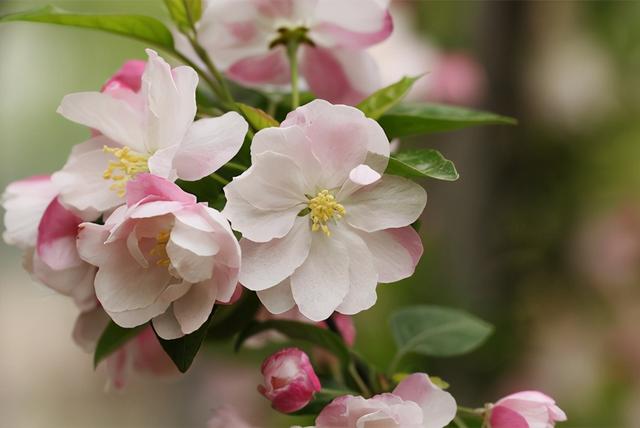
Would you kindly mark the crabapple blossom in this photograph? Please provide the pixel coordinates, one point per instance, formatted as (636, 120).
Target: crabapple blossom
(321, 224)
(152, 130)
(415, 403)
(161, 257)
(248, 40)
(527, 409)
(142, 354)
(36, 222)
(289, 380)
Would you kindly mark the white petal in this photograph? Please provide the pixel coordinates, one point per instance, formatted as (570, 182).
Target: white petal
(438, 406)
(167, 326)
(88, 328)
(192, 252)
(255, 224)
(388, 203)
(90, 243)
(322, 282)
(264, 265)
(396, 252)
(114, 118)
(277, 299)
(193, 309)
(360, 16)
(209, 144)
(363, 276)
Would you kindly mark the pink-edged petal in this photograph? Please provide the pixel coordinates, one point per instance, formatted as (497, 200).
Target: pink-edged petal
(341, 76)
(81, 183)
(363, 276)
(391, 202)
(154, 209)
(129, 75)
(535, 396)
(289, 141)
(321, 283)
(256, 224)
(171, 98)
(265, 265)
(340, 137)
(396, 252)
(146, 185)
(167, 326)
(88, 328)
(272, 68)
(277, 299)
(122, 285)
(372, 27)
(90, 243)
(135, 317)
(24, 202)
(438, 406)
(274, 182)
(503, 417)
(115, 118)
(57, 232)
(193, 309)
(209, 144)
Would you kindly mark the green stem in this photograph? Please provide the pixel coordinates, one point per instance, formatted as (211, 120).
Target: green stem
(335, 392)
(359, 381)
(292, 52)
(236, 166)
(393, 367)
(460, 423)
(220, 179)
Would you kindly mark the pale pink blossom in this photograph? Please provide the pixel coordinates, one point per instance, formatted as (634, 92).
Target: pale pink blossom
(321, 224)
(152, 130)
(528, 409)
(289, 380)
(239, 35)
(141, 355)
(227, 417)
(415, 403)
(36, 222)
(161, 257)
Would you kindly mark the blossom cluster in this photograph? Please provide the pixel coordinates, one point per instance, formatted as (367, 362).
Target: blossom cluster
(308, 214)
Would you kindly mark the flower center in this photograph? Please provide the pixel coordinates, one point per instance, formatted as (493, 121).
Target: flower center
(324, 208)
(127, 166)
(159, 250)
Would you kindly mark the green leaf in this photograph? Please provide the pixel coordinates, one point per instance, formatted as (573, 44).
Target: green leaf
(112, 338)
(416, 119)
(143, 28)
(233, 318)
(183, 350)
(258, 119)
(184, 13)
(437, 331)
(422, 163)
(382, 100)
(299, 331)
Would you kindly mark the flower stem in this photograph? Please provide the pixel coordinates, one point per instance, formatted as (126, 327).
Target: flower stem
(460, 423)
(358, 380)
(236, 166)
(292, 52)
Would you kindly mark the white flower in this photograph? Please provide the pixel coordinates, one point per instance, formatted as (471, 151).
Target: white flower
(321, 225)
(152, 130)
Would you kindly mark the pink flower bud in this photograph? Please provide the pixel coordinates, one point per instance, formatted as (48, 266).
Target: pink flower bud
(524, 410)
(129, 76)
(289, 380)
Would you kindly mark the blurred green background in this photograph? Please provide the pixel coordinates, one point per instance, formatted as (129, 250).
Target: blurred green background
(540, 236)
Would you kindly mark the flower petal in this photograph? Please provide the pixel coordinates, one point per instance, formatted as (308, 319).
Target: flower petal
(391, 202)
(57, 232)
(360, 22)
(271, 67)
(193, 309)
(277, 299)
(167, 326)
(321, 283)
(341, 76)
(396, 252)
(209, 144)
(438, 406)
(264, 265)
(504, 417)
(145, 186)
(90, 243)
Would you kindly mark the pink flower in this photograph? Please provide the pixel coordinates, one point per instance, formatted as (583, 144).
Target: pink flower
(142, 354)
(129, 76)
(457, 78)
(321, 225)
(239, 35)
(528, 409)
(161, 257)
(289, 380)
(152, 130)
(415, 403)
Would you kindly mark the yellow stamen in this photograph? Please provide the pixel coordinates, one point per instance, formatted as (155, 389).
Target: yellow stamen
(324, 208)
(127, 166)
(159, 250)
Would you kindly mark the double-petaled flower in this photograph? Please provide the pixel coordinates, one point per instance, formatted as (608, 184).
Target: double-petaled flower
(150, 130)
(321, 224)
(247, 39)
